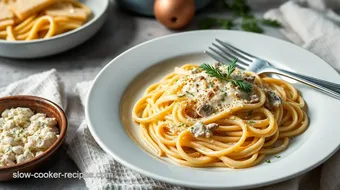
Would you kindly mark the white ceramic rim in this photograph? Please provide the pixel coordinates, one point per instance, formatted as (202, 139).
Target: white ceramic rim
(90, 22)
(285, 169)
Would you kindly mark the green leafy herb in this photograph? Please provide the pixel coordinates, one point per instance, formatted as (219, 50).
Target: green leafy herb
(268, 161)
(251, 25)
(243, 85)
(189, 93)
(226, 23)
(215, 72)
(252, 122)
(182, 125)
(211, 84)
(272, 23)
(181, 95)
(240, 7)
(250, 112)
(277, 156)
(231, 68)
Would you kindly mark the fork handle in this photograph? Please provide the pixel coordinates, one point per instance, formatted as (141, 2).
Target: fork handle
(327, 84)
(318, 86)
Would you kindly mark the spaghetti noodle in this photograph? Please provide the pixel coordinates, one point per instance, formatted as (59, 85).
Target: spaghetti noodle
(198, 120)
(56, 18)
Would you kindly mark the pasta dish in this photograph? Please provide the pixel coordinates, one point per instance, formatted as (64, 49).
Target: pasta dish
(219, 116)
(40, 19)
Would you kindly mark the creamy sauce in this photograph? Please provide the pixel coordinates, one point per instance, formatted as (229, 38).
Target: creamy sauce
(201, 130)
(202, 89)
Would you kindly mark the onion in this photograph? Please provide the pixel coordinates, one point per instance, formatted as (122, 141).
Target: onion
(174, 14)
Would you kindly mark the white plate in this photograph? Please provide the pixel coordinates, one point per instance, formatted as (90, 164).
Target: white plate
(120, 83)
(58, 43)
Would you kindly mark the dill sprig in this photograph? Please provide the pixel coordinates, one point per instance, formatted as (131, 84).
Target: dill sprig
(240, 9)
(215, 72)
(272, 23)
(251, 25)
(243, 85)
(231, 68)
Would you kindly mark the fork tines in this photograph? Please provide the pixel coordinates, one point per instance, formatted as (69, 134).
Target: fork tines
(225, 53)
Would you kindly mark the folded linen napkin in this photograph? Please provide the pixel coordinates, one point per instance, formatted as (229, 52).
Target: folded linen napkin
(312, 26)
(47, 85)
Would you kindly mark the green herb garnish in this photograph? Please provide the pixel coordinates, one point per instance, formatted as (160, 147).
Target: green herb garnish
(272, 23)
(250, 112)
(191, 94)
(181, 95)
(277, 156)
(239, 8)
(215, 72)
(181, 125)
(268, 161)
(211, 84)
(252, 122)
(251, 25)
(231, 68)
(243, 85)
(226, 23)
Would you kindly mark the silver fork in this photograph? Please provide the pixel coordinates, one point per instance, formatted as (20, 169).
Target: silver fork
(224, 53)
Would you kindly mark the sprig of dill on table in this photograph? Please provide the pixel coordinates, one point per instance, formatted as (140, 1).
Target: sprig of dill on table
(239, 8)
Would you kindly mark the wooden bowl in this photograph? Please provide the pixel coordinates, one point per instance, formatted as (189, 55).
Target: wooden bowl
(37, 105)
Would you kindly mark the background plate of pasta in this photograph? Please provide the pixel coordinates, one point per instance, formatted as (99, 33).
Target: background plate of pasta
(168, 111)
(37, 28)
